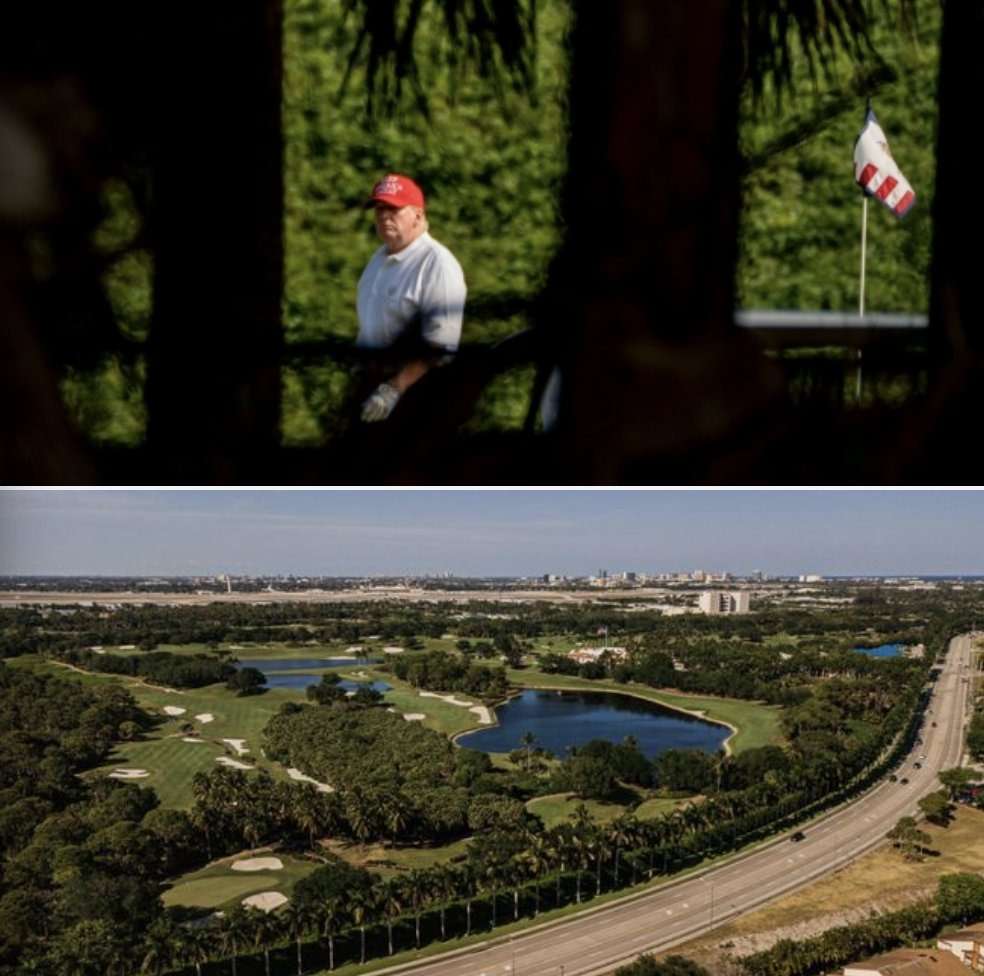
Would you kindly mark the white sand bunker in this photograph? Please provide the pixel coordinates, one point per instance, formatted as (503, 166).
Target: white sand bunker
(484, 715)
(296, 774)
(174, 710)
(234, 763)
(354, 649)
(205, 717)
(414, 716)
(129, 773)
(258, 864)
(392, 650)
(189, 738)
(266, 900)
(237, 744)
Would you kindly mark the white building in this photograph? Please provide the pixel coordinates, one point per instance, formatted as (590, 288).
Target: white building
(720, 601)
(584, 655)
(967, 945)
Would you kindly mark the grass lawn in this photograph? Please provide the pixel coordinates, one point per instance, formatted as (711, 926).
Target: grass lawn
(756, 724)
(388, 860)
(218, 886)
(881, 880)
(559, 808)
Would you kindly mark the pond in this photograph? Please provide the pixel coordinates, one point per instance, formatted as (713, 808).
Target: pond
(572, 718)
(882, 650)
(303, 680)
(301, 664)
(299, 679)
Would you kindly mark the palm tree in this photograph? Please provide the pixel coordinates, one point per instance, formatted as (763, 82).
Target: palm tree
(391, 893)
(621, 832)
(417, 888)
(536, 857)
(157, 947)
(307, 811)
(445, 885)
(331, 912)
(234, 933)
(528, 741)
(265, 930)
(194, 946)
(363, 903)
(467, 879)
(297, 918)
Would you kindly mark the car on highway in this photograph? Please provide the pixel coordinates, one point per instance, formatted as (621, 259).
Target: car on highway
(917, 765)
(904, 781)
(797, 837)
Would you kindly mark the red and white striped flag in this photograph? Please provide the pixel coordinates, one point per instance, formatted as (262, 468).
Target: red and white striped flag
(877, 173)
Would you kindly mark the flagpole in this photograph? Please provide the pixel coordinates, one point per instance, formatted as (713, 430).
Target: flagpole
(864, 249)
(864, 245)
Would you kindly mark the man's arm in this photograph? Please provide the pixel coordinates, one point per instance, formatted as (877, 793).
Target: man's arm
(384, 398)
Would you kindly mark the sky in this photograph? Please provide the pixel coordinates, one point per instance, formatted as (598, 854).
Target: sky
(484, 532)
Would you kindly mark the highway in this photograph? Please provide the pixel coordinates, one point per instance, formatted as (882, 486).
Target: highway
(594, 942)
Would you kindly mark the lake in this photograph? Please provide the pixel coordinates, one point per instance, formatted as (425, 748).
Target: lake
(301, 664)
(882, 650)
(301, 680)
(573, 718)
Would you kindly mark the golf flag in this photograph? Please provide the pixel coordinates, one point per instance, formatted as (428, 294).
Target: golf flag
(876, 172)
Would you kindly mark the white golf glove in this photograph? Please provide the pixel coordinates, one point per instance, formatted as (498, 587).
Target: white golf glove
(380, 404)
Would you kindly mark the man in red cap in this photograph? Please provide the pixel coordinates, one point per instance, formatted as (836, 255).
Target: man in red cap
(411, 296)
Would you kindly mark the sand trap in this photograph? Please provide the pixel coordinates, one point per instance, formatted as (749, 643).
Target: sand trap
(450, 699)
(392, 650)
(296, 774)
(483, 713)
(128, 647)
(414, 716)
(129, 773)
(234, 763)
(174, 710)
(205, 717)
(354, 649)
(188, 738)
(98, 648)
(237, 744)
(266, 900)
(258, 864)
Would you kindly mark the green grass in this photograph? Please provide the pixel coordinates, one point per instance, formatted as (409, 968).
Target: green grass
(756, 724)
(218, 886)
(559, 807)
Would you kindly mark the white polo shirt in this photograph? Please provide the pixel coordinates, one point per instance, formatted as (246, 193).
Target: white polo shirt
(425, 280)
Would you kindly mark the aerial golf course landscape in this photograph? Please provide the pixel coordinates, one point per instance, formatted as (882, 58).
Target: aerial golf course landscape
(366, 782)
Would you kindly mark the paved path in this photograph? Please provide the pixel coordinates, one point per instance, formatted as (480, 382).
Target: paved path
(595, 942)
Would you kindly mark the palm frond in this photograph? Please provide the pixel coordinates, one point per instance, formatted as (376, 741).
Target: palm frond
(495, 38)
(820, 27)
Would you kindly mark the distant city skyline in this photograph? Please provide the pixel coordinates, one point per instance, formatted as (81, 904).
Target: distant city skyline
(490, 532)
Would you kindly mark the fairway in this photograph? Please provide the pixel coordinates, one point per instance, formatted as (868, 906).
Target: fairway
(219, 887)
(559, 808)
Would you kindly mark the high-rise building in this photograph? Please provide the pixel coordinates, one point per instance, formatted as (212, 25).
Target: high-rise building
(718, 601)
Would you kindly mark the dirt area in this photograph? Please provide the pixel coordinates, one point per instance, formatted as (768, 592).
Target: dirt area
(878, 882)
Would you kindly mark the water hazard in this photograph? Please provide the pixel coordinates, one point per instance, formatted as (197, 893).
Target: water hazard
(299, 679)
(559, 720)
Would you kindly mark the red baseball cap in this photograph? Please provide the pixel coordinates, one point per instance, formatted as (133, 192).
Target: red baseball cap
(397, 191)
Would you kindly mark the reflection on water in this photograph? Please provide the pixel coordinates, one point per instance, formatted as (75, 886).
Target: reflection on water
(882, 650)
(559, 720)
(301, 664)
